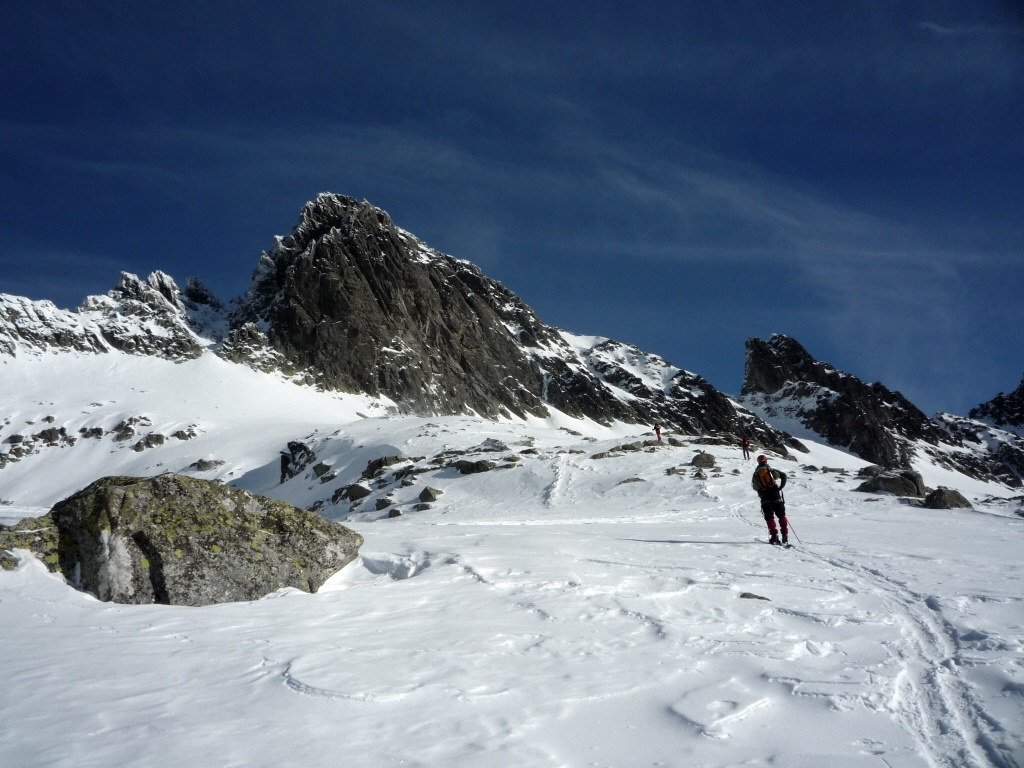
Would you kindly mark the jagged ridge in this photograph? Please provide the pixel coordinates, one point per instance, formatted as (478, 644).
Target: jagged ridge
(783, 381)
(361, 305)
(1003, 410)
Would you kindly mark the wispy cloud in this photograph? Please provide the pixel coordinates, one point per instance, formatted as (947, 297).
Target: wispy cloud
(971, 30)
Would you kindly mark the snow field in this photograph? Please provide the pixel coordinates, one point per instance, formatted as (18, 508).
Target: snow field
(546, 615)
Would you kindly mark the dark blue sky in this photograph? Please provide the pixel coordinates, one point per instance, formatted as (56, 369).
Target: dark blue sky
(677, 175)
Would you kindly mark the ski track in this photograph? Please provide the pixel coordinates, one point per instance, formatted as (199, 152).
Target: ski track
(932, 700)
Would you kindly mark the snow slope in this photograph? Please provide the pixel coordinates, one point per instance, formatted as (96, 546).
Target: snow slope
(569, 611)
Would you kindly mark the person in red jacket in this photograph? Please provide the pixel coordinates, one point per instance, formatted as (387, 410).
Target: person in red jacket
(657, 432)
(746, 447)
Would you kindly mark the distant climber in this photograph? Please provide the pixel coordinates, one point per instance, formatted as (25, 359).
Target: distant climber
(745, 443)
(769, 483)
(657, 432)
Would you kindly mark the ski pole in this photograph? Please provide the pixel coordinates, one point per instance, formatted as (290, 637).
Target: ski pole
(794, 531)
(783, 497)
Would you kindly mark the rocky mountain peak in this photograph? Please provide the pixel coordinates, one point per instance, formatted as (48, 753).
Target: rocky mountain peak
(772, 364)
(329, 211)
(1003, 410)
(143, 317)
(783, 381)
(355, 303)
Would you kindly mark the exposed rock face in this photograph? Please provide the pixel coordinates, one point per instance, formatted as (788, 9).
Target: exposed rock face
(872, 421)
(350, 302)
(140, 317)
(357, 304)
(987, 452)
(182, 541)
(782, 380)
(1006, 411)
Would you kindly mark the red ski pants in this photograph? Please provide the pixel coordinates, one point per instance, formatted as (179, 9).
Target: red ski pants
(771, 510)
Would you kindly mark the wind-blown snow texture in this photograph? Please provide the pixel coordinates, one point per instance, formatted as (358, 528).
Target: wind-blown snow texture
(566, 611)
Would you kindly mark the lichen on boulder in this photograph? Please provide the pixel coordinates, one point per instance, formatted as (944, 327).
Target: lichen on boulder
(179, 540)
(36, 534)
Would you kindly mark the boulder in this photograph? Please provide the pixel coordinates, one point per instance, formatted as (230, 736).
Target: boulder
(429, 494)
(353, 492)
(492, 445)
(946, 498)
(178, 540)
(205, 465)
(872, 470)
(703, 460)
(375, 467)
(466, 467)
(901, 482)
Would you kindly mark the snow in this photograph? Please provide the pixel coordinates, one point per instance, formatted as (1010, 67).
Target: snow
(546, 615)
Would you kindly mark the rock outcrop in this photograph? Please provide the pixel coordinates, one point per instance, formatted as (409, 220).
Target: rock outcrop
(1003, 410)
(177, 540)
(141, 317)
(354, 303)
(900, 482)
(783, 381)
(875, 423)
(946, 498)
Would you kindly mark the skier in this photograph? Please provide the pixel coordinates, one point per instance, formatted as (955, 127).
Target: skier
(657, 432)
(745, 443)
(769, 483)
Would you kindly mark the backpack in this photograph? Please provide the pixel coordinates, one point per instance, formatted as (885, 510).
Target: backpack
(765, 477)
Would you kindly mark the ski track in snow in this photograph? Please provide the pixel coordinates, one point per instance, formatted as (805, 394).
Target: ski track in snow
(932, 700)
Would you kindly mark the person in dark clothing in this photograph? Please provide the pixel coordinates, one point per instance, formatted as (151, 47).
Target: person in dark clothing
(769, 483)
(745, 443)
(657, 431)
(286, 466)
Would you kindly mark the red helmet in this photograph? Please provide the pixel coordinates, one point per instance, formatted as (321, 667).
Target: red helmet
(762, 459)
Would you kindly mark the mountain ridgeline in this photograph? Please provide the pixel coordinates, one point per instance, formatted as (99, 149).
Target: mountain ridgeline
(350, 302)
(347, 301)
(782, 381)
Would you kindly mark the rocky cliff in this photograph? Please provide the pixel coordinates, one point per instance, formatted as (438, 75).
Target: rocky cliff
(140, 317)
(354, 303)
(783, 382)
(1003, 410)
